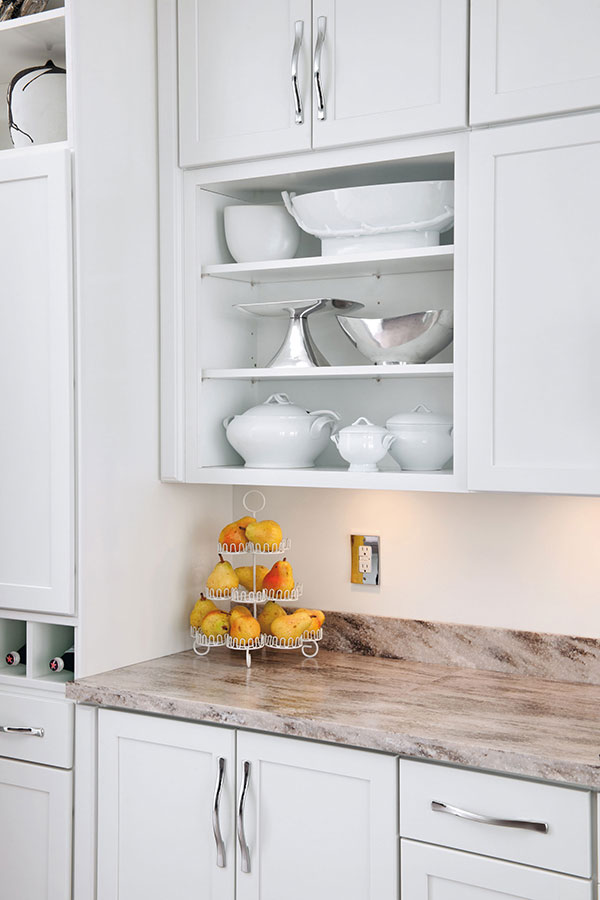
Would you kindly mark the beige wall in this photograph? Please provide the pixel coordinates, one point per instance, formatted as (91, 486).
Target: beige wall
(513, 561)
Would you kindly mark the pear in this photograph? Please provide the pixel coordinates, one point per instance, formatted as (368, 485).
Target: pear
(202, 607)
(279, 579)
(215, 623)
(222, 578)
(246, 578)
(234, 534)
(265, 535)
(317, 618)
(244, 628)
(238, 611)
(288, 628)
(270, 611)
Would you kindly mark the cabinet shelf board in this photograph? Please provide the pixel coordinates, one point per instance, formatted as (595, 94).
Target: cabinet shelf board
(30, 41)
(424, 259)
(426, 370)
(331, 478)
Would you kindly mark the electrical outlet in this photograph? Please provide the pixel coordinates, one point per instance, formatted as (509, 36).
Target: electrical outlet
(365, 559)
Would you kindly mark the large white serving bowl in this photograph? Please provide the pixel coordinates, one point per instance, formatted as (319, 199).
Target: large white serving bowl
(260, 232)
(375, 217)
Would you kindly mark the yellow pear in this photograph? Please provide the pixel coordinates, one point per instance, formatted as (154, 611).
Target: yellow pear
(279, 579)
(317, 618)
(234, 535)
(202, 607)
(245, 576)
(215, 623)
(244, 628)
(290, 627)
(270, 611)
(222, 578)
(267, 534)
(238, 611)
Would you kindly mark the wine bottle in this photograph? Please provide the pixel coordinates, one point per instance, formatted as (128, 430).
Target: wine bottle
(66, 661)
(14, 657)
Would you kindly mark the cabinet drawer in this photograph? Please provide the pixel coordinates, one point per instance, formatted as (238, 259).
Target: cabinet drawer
(54, 717)
(565, 847)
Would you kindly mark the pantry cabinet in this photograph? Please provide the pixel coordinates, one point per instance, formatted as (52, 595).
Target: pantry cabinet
(533, 59)
(534, 318)
(271, 77)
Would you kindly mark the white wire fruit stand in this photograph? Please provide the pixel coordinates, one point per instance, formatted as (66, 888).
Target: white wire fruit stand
(307, 643)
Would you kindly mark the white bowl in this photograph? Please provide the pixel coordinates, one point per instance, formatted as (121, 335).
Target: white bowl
(375, 217)
(256, 233)
(363, 444)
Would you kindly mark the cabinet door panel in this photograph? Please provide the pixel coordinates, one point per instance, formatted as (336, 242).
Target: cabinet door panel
(320, 821)
(434, 873)
(35, 831)
(36, 383)
(534, 319)
(391, 69)
(156, 784)
(235, 88)
(532, 59)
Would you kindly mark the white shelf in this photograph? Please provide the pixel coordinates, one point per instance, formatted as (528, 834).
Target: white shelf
(30, 41)
(338, 477)
(427, 370)
(424, 259)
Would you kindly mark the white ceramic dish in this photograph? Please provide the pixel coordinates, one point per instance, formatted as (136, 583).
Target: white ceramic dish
(423, 439)
(413, 339)
(363, 444)
(255, 233)
(37, 106)
(277, 434)
(375, 217)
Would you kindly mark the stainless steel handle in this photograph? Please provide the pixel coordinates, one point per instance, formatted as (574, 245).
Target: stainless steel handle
(488, 820)
(22, 729)
(245, 852)
(216, 823)
(321, 29)
(299, 32)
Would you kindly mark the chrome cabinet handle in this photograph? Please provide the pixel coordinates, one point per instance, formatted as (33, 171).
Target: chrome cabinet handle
(322, 28)
(245, 852)
(216, 823)
(488, 820)
(22, 729)
(299, 32)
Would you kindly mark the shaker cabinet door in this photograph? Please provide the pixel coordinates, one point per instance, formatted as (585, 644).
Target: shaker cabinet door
(532, 58)
(157, 780)
(534, 316)
(236, 95)
(388, 68)
(317, 821)
(36, 382)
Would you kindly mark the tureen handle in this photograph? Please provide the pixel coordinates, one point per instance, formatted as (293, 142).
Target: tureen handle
(420, 407)
(335, 438)
(287, 202)
(228, 421)
(388, 440)
(362, 421)
(278, 398)
(324, 417)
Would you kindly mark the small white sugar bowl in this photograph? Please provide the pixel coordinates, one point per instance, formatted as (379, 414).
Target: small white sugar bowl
(363, 444)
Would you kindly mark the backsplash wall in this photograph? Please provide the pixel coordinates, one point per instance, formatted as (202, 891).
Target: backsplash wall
(502, 560)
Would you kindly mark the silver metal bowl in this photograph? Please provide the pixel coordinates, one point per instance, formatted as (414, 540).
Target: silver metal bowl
(415, 338)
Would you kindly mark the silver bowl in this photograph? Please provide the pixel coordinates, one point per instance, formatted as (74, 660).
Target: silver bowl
(415, 338)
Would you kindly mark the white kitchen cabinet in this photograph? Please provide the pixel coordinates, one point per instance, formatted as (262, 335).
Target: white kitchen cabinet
(363, 73)
(534, 318)
(389, 68)
(36, 382)
(319, 821)
(35, 831)
(434, 873)
(156, 830)
(533, 59)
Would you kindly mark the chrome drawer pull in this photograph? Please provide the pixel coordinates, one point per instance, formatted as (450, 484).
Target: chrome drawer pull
(322, 28)
(488, 820)
(216, 823)
(22, 729)
(245, 852)
(299, 30)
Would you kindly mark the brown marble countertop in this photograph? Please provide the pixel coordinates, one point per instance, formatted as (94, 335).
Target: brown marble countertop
(507, 723)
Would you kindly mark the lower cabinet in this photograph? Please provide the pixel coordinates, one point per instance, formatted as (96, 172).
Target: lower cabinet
(434, 873)
(35, 831)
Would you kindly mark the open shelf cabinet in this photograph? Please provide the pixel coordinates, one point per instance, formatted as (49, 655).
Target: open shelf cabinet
(43, 640)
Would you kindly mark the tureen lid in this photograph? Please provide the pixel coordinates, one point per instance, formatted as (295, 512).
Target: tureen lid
(363, 426)
(277, 405)
(420, 415)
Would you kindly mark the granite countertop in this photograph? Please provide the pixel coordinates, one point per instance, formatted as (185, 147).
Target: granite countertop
(507, 723)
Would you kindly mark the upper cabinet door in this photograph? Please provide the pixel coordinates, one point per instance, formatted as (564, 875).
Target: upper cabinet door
(534, 315)
(36, 382)
(533, 58)
(388, 68)
(237, 96)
